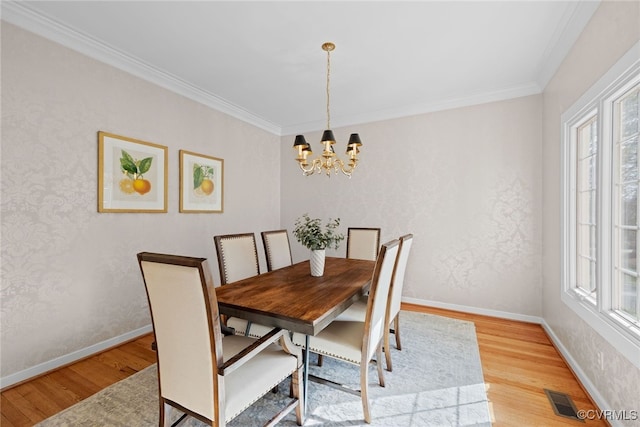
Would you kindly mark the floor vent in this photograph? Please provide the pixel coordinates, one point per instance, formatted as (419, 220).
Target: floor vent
(562, 405)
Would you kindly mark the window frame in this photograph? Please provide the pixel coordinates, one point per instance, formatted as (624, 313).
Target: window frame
(612, 117)
(599, 312)
(589, 116)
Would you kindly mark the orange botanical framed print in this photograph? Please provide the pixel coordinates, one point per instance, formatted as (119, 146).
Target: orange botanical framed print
(201, 183)
(132, 175)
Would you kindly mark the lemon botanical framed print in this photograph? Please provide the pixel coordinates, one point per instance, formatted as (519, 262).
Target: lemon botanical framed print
(132, 175)
(201, 183)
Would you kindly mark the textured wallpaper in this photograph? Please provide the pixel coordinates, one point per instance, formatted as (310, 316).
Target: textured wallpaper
(70, 277)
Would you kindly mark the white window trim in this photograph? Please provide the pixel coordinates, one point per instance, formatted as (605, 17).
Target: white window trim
(605, 323)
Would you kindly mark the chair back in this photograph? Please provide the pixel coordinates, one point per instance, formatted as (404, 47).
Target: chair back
(363, 243)
(184, 312)
(397, 282)
(277, 249)
(237, 257)
(377, 301)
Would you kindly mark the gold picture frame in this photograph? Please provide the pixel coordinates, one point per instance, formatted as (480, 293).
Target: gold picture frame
(201, 183)
(132, 175)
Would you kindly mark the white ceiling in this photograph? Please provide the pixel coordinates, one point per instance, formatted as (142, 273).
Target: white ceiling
(261, 61)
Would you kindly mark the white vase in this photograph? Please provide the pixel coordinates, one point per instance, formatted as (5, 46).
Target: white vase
(317, 262)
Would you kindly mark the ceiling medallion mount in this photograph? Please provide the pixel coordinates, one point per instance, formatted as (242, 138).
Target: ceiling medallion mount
(328, 46)
(328, 161)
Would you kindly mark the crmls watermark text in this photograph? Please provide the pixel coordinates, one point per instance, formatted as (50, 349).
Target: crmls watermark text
(608, 414)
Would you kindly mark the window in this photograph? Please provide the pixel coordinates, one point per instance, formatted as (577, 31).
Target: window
(625, 137)
(586, 227)
(601, 136)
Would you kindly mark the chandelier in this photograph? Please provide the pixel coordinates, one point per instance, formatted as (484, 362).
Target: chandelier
(327, 161)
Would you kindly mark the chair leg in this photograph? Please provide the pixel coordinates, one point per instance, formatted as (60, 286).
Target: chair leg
(387, 350)
(226, 330)
(364, 391)
(379, 364)
(320, 359)
(298, 392)
(397, 331)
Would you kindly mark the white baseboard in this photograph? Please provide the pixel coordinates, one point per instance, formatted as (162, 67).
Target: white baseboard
(66, 359)
(595, 395)
(475, 310)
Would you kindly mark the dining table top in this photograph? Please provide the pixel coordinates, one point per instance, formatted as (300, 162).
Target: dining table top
(290, 298)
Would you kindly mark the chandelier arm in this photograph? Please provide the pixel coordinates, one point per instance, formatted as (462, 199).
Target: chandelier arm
(347, 171)
(303, 168)
(310, 170)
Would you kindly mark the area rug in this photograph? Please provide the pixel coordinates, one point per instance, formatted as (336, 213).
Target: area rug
(436, 381)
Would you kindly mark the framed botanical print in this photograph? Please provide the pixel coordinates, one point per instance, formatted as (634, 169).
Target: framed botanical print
(132, 175)
(201, 183)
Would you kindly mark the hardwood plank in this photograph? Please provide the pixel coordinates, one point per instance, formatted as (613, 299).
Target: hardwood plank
(73, 385)
(100, 371)
(29, 411)
(54, 386)
(11, 415)
(38, 398)
(138, 351)
(118, 360)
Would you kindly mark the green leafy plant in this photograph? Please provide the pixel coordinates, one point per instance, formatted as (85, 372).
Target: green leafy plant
(314, 236)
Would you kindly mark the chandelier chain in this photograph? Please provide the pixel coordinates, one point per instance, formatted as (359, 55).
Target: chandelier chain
(328, 91)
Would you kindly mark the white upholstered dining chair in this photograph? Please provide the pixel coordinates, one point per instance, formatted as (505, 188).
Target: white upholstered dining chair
(277, 249)
(395, 297)
(358, 310)
(201, 372)
(237, 260)
(357, 342)
(363, 243)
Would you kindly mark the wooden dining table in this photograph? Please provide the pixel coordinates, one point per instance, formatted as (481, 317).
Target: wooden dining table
(290, 298)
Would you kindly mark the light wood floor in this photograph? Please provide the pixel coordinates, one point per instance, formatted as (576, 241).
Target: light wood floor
(518, 362)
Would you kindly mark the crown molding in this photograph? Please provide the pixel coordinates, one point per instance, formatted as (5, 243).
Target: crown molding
(19, 14)
(576, 17)
(502, 94)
